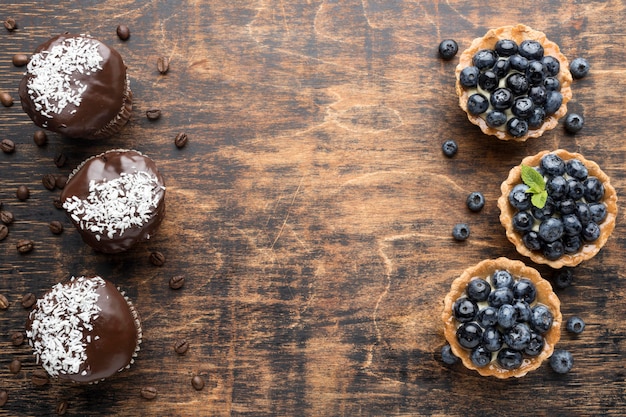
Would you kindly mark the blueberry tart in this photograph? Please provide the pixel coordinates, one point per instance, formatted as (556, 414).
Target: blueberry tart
(501, 318)
(513, 83)
(558, 208)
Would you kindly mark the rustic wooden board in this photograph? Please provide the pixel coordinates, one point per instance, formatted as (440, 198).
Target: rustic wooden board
(312, 208)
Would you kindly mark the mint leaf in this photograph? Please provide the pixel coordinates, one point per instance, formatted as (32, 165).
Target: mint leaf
(539, 199)
(536, 186)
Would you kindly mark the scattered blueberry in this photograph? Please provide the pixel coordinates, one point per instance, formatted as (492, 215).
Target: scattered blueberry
(574, 123)
(461, 231)
(449, 148)
(563, 278)
(579, 67)
(475, 201)
(575, 325)
(447, 356)
(448, 49)
(561, 361)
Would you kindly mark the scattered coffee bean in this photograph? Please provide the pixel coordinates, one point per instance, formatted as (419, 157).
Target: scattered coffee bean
(39, 377)
(17, 338)
(181, 140)
(177, 282)
(3, 398)
(22, 193)
(153, 114)
(123, 32)
(7, 146)
(25, 245)
(157, 258)
(57, 203)
(60, 181)
(61, 408)
(15, 366)
(49, 181)
(6, 217)
(197, 382)
(10, 24)
(163, 64)
(56, 227)
(40, 138)
(29, 300)
(4, 231)
(181, 346)
(60, 160)
(149, 393)
(6, 99)
(4, 302)
(19, 60)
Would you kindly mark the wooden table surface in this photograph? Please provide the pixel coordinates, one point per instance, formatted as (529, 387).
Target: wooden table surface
(311, 212)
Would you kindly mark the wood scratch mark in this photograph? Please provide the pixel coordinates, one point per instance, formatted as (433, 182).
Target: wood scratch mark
(282, 227)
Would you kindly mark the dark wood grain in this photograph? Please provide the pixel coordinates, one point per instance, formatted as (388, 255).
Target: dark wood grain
(311, 211)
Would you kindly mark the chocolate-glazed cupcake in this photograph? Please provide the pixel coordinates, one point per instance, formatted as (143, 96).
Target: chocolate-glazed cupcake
(115, 199)
(84, 330)
(77, 86)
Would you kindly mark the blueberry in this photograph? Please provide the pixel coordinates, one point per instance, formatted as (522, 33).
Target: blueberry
(551, 229)
(517, 83)
(535, 345)
(464, 310)
(501, 67)
(575, 189)
(517, 127)
(537, 118)
(557, 187)
(561, 361)
(525, 290)
(541, 318)
(502, 279)
(553, 250)
(500, 296)
(469, 77)
(507, 316)
(552, 164)
(594, 189)
(553, 102)
(572, 225)
(583, 212)
(566, 206)
(487, 316)
(461, 231)
(480, 356)
(485, 58)
(574, 122)
(532, 241)
(447, 356)
(506, 47)
(575, 168)
(546, 211)
(477, 104)
(523, 221)
(523, 107)
(531, 49)
(591, 232)
(509, 359)
(519, 198)
(563, 278)
(492, 339)
(449, 148)
(518, 63)
(579, 67)
(572, 244)
(598, 212)
(523, 310)
(448, 49)
(538, 94)
(552, 84)
(518, 336)
(501, 98)
(552, 65)
(574, 325)
(535, 73)
(469, 335)
(478, 290)
(495, 118)
(475, 201)
(488, 81)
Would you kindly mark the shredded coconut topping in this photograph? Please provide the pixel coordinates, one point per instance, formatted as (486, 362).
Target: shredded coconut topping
(58, 324)
(54, 84)
(116, 205)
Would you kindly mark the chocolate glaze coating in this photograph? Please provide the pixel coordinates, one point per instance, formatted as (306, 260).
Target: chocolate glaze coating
(108, 166)
(107, 96)
(119, 335)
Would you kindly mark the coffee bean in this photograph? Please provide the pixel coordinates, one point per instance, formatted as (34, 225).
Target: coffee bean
(29, 300)
(153, 114)
(39, 377)
(4, 231)
(40, 138)
(10, 24)
(197, 382)
(60, 181)
(15, 366)
(19, 60)
(3, 398)
(17, 338)
(25, 245)
(60, 160)
(149, 393)
(181, 346)
(56, 227)
(177, 282)
(6, 99)
(123, 32)
(181, 140)
(57, 203)
(6, 217)
(4, 302)
(163, 64)
(61, 408)
(157, 258)
(7, 146)
(22, 193)
(49, 181)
